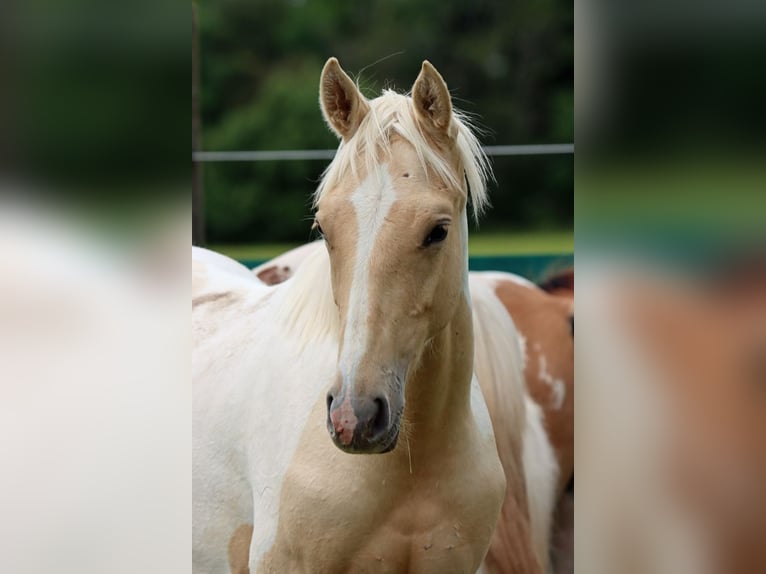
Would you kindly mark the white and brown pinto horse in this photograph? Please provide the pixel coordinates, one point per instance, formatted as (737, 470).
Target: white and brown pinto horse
(368, 350)
(544, 320)
(545, 324)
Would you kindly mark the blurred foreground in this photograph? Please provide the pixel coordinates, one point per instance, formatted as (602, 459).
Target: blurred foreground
(94, 392)
(671, 419)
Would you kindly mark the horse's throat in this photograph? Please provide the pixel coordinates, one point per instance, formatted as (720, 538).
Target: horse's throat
(438, 390)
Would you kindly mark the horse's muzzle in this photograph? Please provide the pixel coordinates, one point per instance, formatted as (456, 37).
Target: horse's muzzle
(362, 425)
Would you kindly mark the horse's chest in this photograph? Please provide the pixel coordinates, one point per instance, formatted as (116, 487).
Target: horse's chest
(370, 522)
(419, 536)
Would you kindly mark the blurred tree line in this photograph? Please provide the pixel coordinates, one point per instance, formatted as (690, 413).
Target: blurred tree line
(508, 62)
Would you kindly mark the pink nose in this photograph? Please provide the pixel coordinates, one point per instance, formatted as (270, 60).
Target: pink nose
(361, 424)
(344, 421)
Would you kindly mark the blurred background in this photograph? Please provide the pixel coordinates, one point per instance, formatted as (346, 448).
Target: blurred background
(670, 128)
(671, 287)
(510, 64)
(94, 107)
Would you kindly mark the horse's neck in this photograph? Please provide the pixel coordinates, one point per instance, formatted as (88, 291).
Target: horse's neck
(439, 390)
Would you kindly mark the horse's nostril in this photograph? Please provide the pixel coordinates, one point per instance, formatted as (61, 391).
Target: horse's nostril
(380, 422)
(330, 400)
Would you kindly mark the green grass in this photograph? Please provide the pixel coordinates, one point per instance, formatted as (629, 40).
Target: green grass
(490, 243)
(521, 243)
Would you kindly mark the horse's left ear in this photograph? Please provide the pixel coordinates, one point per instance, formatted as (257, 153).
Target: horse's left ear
(432, 102)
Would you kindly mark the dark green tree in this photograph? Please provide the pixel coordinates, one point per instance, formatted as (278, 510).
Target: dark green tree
(509, 63)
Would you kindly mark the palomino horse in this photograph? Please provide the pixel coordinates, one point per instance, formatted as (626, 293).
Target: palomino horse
(367, 350)
(544, 324)
(543, 321)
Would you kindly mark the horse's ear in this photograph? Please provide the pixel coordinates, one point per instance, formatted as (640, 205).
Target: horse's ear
(432, 102)
(343, 106)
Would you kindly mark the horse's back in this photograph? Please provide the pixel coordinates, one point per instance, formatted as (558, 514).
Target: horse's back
(284, 266)
(200, 255)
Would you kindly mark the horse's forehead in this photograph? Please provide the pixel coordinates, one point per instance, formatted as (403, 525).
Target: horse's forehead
(371, 184)
(399, 176)
(410, 191)
(397, 156)
(403, 155)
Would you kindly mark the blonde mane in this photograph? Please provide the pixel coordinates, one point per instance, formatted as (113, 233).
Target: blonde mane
(306, 306)
(392, 114)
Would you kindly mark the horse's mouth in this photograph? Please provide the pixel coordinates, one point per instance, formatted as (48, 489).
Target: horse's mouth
(361, 445)
(391, 444)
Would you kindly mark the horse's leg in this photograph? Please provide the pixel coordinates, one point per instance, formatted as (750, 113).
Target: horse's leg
(239, 549)
(563, 535)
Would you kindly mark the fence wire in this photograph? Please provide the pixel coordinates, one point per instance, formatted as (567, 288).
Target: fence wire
(327, 154)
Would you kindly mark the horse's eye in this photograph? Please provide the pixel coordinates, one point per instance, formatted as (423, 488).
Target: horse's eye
(318, 228)
(437, 234)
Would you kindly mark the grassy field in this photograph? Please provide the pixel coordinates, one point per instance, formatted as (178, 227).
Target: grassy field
(490, 243)
(521, 243)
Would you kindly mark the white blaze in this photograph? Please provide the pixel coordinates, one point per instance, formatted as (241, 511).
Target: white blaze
(372, 201)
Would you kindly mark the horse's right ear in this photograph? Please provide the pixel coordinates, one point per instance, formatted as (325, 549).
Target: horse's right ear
(343, 105)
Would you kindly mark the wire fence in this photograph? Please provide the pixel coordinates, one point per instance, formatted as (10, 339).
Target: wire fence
(199, 157)
(326, 154)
